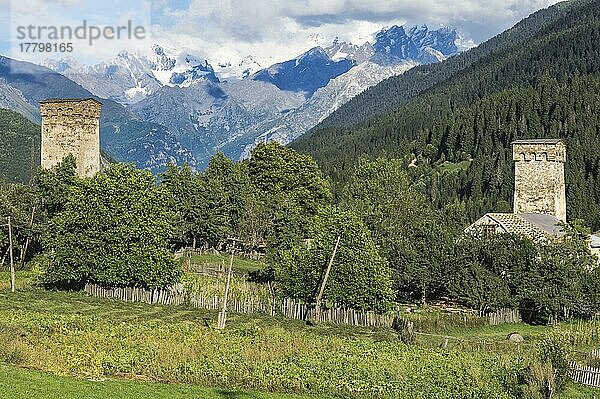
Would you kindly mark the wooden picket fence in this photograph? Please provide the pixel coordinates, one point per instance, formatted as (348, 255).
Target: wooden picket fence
(286, 307)
(595, 354)
(134, 294)
(503, 316)
(585, 375)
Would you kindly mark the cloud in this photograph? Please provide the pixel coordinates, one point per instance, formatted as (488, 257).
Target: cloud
(44, 15)
(278, 29)
(273, 30)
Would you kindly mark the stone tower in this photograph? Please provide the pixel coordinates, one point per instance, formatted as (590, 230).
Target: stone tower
(540, 177)
(71, 126)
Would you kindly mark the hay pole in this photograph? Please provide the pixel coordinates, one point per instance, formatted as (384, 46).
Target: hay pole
(12, 262)
(320, 296)
(223, 313)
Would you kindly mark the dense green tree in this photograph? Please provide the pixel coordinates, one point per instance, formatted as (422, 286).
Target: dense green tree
(404, 225)
(113, 230)
(476, 286)
(234, 178)
(486, 272)
(21, 203)
(561, 281)
(54, 185)
(183, 197)
(360, 277)
(212, 217)
(552, 280)
(293, 188)
(202, 202)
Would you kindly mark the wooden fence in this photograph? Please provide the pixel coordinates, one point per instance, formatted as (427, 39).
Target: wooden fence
(504, 316)
(285, 307)
(589, 376)
(595, 354)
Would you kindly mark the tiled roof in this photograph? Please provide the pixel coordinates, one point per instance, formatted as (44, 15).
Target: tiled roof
(537, 141)
(595, 240)
(538, 227)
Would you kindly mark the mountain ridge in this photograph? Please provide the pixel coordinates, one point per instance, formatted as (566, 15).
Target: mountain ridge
(466, 122)
(207, 114)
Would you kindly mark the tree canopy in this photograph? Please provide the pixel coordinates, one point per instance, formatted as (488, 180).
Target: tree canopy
(114, 230)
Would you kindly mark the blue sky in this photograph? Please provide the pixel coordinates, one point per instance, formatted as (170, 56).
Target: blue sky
(270, 30)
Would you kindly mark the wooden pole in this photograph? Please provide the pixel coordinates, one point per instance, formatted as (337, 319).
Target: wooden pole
(4, 256)
(223, 313)
(320, 296)
(12, 263)
(24, 251)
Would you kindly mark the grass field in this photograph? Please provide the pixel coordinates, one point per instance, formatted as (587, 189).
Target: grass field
(240, 264)
(72, 335)
(16, 383)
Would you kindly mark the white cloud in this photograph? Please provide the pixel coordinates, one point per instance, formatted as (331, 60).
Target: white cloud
(45, 15)
(275, 30)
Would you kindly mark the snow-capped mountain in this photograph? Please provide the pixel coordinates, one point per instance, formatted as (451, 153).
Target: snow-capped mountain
(419, 42)
(208, 106)
(129, 77)
(343, 50)
(238, 70)
(442, 40)
(306, 73)
(215, 114)
(340, 90)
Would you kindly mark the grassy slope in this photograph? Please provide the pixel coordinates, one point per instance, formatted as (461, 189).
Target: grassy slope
(18, 383)
(240, 264)
(75, 335)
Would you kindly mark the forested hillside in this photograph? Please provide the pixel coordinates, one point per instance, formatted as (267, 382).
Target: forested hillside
(458, 132)
(19, 147)
(402, 88)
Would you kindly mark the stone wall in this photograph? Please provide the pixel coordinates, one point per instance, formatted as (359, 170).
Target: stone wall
(540, 177)
(71, 127)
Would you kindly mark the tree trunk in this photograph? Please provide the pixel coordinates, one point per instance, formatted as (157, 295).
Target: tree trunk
(24, 249)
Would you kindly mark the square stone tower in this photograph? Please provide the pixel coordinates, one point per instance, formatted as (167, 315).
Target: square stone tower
(71, 126)
(540, 177)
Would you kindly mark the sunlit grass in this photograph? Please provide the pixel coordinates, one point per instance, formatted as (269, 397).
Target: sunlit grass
(17, 383)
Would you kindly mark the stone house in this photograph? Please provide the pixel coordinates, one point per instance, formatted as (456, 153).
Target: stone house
(71, 127)
(540, 205)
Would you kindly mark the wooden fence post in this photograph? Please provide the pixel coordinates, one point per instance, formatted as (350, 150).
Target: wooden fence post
(223, 314)
(320, 296)
(12, 263)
